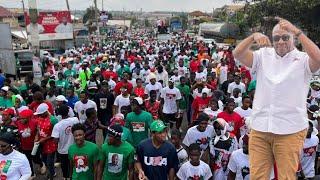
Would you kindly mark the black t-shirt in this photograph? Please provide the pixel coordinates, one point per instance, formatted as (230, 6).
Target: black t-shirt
(104, 104)
(156, 163)
(224, 87)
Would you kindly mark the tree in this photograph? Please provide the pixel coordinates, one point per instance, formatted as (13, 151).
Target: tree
(90, 15)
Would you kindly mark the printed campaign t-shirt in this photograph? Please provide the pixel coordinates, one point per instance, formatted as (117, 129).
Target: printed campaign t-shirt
(139, 125)
(182, 156)
(170, 97)
(156, 162)
(308, 156)
(83, 159)
(121, 101)
(81, 108)
(62, 131)
(14, 166)
(195, 136)
(239, 164)
(117, 160)
(188, 171)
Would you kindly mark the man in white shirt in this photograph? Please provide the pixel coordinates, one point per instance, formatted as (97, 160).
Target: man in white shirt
(63, 135)
(236, 84)
(81, 106)
(64, 27)
(170, 97)
(278, 118)
(153, 85)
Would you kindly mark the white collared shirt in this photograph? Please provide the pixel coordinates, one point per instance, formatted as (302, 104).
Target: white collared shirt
(279, 105)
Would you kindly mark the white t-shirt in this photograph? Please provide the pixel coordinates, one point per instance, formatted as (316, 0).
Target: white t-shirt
(15, 166)
(111, 84)
(201, 76)
(81, 108)
(244, 115)
(182, 71)
(223, 74)
(149, 87)
(308, 156)
(237, 101)
(182, 156)
(239, 164)
(62, 131)
(176, 80)
(121, 101)
(188, 171)
(61, 28)
(240, 86)
(170, 97)
(195, 136)
(212, 114)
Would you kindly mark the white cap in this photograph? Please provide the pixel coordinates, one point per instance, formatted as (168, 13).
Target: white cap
(205, 90)
(5, 88)
(42, 108)
(139, 99)
(61, 98)
(19, 97)
(152, 76)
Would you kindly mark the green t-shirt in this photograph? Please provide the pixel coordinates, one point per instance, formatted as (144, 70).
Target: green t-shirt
(117, 160)
(70, 73)
(6, 103)
(92, 67)
(185, 93)
(84, 77)
(121, 70)
(139, 126)
(83, 159)
(62, 84)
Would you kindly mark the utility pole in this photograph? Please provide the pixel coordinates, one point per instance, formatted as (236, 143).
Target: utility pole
(73, 36)
(97, 21)
(33, 26)
(102, 5)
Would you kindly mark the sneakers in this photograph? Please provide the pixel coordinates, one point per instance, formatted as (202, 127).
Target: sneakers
(43, 169)
(57, 164)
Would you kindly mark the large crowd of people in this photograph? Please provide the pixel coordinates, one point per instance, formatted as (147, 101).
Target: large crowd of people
(178, 109)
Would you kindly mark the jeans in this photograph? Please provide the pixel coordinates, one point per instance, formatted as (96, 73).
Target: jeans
(265, 149)
(65, 165)
(32, 159)
(48, 159)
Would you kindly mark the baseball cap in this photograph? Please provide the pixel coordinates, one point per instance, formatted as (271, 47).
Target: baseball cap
(5, 88)
(115, 130)
(205, 90)
(27, 113)
(61, 98)
(139, 100)
(42, 108)
(157, 126)
(152, 76)
(8, 111)
(171, 80)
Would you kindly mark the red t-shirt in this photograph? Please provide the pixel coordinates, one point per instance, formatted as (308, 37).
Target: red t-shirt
(198, 105)
(31, 128)
(121, 84)
(34, 105)
(234, 120)
(194, 66)
(153, 108)
(45, 129)
(139, 91)
(111, 74)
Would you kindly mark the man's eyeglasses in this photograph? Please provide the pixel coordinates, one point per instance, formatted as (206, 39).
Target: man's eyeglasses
(284, 37)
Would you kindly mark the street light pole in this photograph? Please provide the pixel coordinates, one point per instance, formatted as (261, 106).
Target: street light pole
(97, 21)
(33, 26)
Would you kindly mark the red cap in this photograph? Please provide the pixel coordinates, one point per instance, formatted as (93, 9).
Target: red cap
(27, 113)
(8, 112)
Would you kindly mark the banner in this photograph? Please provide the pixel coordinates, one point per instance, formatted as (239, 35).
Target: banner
(51, 25)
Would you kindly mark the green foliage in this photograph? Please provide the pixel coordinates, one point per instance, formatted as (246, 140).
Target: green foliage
(89, 15)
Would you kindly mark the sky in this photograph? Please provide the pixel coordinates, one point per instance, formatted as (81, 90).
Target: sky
(127, 5)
